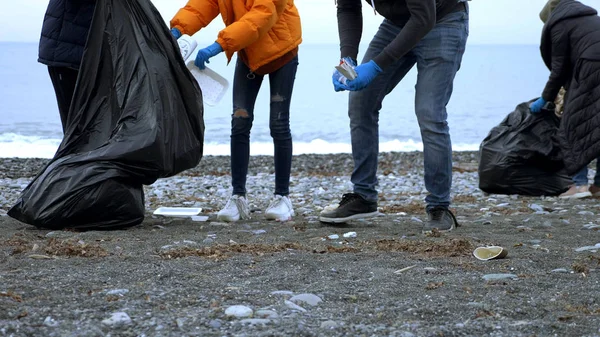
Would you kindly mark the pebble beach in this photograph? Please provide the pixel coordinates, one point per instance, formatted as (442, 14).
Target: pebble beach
(373, 277)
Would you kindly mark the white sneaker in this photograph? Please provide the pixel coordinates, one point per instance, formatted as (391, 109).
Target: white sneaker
(280, 209)
(576, 192)
(235, 209)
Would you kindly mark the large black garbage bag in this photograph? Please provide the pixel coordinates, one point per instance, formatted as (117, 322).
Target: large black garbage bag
(136, 116)
(522, 156)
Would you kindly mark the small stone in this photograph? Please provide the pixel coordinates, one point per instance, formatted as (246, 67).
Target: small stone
(120, 292)
(350, 235)
(264, 313)
(560, 270)
(590, 248)
(117, 319)
(294, 306)
(329, 325)
(310, 299)
(59, 234)
(536, 207)
(493, 277)
(215, 324)
(282, 292)
(239, 311)
(223, 224)
(255, 321)
(51, 322)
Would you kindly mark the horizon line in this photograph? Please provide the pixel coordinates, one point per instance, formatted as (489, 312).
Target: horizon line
(330, 43)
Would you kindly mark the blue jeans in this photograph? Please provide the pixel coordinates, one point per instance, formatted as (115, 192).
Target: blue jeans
(245, 91)
(437, 56)
(581, 178)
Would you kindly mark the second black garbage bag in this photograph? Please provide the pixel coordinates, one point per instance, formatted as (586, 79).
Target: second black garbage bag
(136, 116)
(522, 156)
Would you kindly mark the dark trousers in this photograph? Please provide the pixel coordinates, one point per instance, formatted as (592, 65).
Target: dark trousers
(63, 80)
(245, 91)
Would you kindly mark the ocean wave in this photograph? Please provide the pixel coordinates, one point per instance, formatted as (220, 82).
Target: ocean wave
(14, 145)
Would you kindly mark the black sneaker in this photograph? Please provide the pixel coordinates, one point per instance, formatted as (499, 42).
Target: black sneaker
(352, 206)
(440, 218)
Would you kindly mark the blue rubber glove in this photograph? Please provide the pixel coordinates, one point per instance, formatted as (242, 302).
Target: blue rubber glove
(537, 106)
(176, 33)
(366, 74)
(206, 53)
(337, 77)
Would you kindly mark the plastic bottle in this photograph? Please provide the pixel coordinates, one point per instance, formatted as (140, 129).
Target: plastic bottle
(187, 45)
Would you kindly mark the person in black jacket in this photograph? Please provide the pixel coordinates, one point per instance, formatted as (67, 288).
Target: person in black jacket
(570, 48)
(431, 34)
(64, 35)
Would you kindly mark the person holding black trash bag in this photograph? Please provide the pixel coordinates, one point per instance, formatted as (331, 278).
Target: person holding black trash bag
(570, 48)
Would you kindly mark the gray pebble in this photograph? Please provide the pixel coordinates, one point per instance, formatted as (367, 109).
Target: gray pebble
(215, 324)
(329, 325)
(310, 299)
(493, 277)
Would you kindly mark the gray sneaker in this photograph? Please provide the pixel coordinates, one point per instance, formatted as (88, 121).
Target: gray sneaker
(440, 218)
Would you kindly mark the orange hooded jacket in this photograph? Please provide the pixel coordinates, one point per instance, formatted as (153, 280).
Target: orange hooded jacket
(265, 29)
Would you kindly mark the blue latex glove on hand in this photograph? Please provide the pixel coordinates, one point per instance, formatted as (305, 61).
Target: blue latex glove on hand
(176, 33)
(337, 76)
(206, 53)
(366, 74)
(537, 106)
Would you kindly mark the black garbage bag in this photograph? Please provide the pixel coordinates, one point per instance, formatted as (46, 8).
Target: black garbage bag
(522, 155)
(136, 116)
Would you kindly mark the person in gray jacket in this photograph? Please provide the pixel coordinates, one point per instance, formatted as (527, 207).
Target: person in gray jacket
(431, 34)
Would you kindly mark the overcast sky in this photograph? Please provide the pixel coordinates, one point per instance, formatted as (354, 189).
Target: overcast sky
(492, 21)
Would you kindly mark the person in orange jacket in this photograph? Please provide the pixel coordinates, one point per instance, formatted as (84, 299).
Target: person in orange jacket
(266, 35)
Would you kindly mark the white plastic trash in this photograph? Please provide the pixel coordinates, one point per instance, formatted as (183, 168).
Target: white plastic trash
(187, 45)
(213, 85)
(178, 212)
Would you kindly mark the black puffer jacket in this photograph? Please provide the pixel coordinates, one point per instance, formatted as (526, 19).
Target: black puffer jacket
(64, 32)
(570, 48)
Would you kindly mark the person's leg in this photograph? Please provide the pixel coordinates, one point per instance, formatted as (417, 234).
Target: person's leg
(281, 86)
(595, 188)
(245, 91)
(363, 110)
(63, 80)
(579, 189)
(581, 177)
(439, 55)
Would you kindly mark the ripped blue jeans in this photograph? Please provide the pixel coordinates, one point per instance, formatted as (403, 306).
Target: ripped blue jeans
(245, 91)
